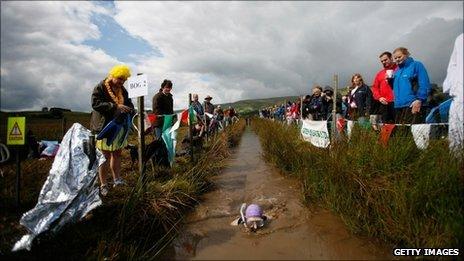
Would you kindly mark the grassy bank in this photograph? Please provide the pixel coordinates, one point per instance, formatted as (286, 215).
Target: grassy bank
(406, 196)
(136, 221)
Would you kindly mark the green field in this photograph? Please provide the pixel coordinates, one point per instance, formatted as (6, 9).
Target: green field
(43, 126)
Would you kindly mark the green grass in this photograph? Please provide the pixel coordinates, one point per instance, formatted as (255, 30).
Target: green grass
(404, 195)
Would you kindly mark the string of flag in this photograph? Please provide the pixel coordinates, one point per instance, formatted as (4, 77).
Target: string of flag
(316, 132)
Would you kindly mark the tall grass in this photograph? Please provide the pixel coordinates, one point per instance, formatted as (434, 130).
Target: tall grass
(156, 205)
(407, 196)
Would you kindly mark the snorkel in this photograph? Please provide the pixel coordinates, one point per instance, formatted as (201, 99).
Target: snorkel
(242, 208)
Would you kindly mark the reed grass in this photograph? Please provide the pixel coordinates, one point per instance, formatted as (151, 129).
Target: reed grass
(406, 196)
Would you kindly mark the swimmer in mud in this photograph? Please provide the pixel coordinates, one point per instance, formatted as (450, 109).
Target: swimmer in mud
(253, 219)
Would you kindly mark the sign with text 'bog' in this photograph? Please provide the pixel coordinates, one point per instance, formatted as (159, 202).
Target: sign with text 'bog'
(137, 86)
(16, 133)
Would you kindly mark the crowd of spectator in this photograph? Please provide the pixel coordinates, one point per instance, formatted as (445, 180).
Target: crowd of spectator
(400, 93)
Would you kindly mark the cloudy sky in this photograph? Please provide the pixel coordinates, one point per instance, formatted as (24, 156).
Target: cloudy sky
(54, 53)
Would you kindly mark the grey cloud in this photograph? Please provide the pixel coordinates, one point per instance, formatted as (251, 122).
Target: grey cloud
(432, 43)
(283, 48)
(248, 49)
(42, 63)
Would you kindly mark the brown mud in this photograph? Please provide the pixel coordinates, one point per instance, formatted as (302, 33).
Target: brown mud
(294, 231)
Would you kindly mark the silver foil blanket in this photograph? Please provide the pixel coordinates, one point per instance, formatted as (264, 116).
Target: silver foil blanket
(70, 190)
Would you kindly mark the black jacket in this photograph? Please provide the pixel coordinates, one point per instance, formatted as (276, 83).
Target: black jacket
(327, 107)
(162, 104)
(104, 108)
(363, 98)
(208, 106)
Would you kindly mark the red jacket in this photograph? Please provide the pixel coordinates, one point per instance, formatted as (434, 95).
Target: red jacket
(381, 87)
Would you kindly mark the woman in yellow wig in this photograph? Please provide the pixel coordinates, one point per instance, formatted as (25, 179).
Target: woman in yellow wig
(110, 100)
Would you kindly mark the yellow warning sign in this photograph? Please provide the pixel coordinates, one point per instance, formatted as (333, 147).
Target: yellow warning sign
(16, 133)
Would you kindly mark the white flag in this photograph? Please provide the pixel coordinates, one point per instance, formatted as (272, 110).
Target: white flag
(176, 125)
(421, 134)
(316, 132)
(349, 127)
(209, 115)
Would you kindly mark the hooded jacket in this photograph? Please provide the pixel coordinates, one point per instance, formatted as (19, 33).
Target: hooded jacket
(411, 82)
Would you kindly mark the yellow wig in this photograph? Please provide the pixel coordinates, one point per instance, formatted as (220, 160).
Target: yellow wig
(120, 71)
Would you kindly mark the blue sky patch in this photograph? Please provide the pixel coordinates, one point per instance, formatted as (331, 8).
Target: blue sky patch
(205, 78)
(116, 41)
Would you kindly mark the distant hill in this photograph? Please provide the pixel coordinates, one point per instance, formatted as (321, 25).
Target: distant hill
(252, 106)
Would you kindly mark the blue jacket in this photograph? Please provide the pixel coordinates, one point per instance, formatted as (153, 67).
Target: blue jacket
(411, 83)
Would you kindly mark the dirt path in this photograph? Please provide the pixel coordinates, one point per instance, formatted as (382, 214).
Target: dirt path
(294, 231)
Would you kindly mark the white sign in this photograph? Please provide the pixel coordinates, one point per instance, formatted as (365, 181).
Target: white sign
(137, 86)
(316, 132)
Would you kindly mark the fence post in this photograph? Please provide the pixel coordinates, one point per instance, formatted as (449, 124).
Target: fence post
(301, 108)
(206, 121)
(334, 109)
(190, 127)
(141, 136)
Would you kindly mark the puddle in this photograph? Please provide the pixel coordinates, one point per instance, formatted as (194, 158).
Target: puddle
(292, 232)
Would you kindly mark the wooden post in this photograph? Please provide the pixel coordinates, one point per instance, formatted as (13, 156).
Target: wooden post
(334, 110)
(285, 112)
(206, 121)
(190, 128)
(141, 127)
(301, 108)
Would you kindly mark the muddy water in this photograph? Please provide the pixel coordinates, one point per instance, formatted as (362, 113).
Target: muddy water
(293, 231)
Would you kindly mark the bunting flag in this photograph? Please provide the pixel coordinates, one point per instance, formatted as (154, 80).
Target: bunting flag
(183, 116)
(421, 134)
(189, 115)
(385, 132)
(349, 127)
(192, 115)
(180, 118)
(169, 137)
(341, 125)
(209, 115)
(167, 122)
(149, 120)
(365, 124)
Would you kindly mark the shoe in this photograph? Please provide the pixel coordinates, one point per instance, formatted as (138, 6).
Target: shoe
(104, 190)
(119, 182)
